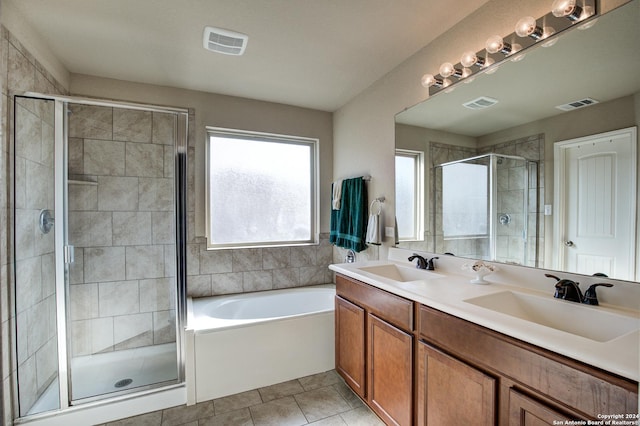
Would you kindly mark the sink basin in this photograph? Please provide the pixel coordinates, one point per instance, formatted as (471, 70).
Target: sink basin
(570, 317)
(400, 273)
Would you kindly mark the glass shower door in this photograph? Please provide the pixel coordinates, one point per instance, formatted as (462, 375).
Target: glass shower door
(35, 257)
(99, 259)
(121, 226)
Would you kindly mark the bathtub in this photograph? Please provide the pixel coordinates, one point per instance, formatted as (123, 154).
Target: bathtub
(242, 342)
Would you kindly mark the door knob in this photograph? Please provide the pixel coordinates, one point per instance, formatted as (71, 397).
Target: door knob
(568, 243)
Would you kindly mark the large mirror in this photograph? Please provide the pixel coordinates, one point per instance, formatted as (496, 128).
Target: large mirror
(596, 69)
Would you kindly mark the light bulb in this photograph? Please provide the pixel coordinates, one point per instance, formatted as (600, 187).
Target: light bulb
(495, 44)
(566, 9)
(428, 80)
(527, 27)
(447, 70)
(469, 59)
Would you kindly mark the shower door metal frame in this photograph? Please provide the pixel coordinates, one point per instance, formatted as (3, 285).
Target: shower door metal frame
(61, 246)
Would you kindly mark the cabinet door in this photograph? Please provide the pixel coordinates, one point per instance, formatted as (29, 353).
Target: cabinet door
(390, 372)
(350, 346)
(525, 411)
(451, 392)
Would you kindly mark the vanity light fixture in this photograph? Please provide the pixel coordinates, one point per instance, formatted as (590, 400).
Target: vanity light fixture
(498, 49)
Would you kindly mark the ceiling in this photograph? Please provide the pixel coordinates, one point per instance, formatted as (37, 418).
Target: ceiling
(311, 53)
(602, 63)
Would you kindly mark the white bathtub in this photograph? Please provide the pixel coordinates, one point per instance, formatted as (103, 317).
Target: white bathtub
(241, 342)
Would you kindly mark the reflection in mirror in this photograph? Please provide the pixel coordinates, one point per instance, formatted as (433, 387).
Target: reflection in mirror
(483, 208)
(600, 65)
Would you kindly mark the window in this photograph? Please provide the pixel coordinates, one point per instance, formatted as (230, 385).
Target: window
(409, 195)
(261, 189)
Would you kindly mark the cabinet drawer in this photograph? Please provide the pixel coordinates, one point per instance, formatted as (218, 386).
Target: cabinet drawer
(393, 309)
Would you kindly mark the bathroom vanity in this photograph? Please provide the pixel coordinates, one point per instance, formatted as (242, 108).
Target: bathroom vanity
(429, 350)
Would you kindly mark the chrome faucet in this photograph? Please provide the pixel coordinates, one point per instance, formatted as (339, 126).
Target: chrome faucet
(423, 263)
(569, 290)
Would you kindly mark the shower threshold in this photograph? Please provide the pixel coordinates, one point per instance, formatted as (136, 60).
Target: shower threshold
(101, 374)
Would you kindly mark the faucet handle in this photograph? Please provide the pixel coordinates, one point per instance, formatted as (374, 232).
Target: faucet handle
(430, 265)
(590, 296)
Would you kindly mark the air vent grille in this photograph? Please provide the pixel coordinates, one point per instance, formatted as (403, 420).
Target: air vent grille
(224, 41)
(577, 104)
(480, 103)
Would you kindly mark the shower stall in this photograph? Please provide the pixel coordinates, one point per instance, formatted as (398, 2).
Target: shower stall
(486, 208)
(99, 237)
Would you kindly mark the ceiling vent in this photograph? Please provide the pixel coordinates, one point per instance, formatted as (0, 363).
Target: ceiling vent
(480, 103)
(577, 104)
(224, 41)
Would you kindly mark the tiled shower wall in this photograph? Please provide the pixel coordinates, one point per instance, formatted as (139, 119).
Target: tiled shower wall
(121, 223)
(531, 148)
(19, 72)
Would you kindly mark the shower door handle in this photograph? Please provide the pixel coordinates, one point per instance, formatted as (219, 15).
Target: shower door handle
(69, 254)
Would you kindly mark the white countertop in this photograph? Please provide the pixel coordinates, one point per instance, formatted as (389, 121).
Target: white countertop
(620, 356)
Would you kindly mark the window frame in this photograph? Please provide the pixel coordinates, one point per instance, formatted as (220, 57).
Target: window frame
(419, 185)
(314, 214)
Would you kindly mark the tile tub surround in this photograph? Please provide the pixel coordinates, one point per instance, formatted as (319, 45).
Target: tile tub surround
(320, 399)
(215, 272)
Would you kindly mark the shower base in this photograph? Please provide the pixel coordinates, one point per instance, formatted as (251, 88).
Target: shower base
(101, 374)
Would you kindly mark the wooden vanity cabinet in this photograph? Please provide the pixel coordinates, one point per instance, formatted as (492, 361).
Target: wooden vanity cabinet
(374, 348)
(442, 370)
(534, 385)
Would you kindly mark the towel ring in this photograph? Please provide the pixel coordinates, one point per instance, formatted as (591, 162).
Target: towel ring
(379, 201)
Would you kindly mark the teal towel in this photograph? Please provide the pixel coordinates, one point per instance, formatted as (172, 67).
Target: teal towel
(349, 224)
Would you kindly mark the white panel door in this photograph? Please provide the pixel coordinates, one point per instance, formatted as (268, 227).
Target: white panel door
(599, 205)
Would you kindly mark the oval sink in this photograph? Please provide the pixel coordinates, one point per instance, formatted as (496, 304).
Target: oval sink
(570, 317)
(400, 273)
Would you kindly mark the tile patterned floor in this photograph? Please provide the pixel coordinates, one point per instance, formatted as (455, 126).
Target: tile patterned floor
(321, 400)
